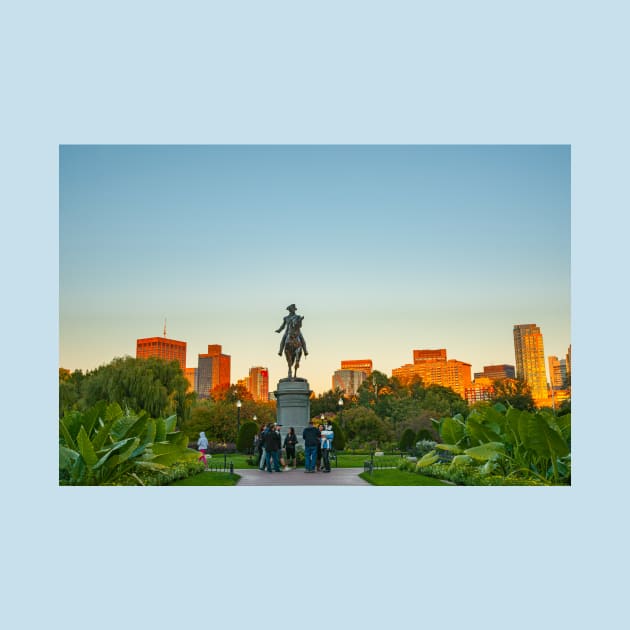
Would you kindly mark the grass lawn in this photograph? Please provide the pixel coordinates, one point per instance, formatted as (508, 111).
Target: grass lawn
(209, 479)
(400, 478)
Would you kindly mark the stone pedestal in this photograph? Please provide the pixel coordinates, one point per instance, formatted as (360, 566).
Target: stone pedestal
(293, 406)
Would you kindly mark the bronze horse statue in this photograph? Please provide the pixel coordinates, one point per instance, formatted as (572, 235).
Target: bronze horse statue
(293, 351)
(292, 344)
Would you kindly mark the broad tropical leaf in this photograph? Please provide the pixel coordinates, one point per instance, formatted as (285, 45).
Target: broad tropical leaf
(451, 430)
(451, 448)
(121, 427)
(428, 459)
(67, 458)
(170, 423)
(484, 452)
(160, 430)
(543, 439)
(462, 460)
(86, 448)
(480, 433)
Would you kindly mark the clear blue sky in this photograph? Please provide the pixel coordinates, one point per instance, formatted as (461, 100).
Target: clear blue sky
(382, 248)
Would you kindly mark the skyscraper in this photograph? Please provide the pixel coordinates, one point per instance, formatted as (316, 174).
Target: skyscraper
(162, 348)
(530, 360)
(348, 381)
(258, 383)
(363, 365)
(557, 372)
(213, 370)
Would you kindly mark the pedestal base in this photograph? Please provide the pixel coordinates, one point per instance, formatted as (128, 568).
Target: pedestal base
(293, 406)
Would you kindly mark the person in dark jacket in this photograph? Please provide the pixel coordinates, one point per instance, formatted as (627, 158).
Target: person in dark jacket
(273, 443)
(290, 443)
(311, 442)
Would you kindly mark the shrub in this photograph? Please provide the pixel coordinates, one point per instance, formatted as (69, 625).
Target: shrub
(423, 447)
(407, 439)
(339, 443)
(245, 440)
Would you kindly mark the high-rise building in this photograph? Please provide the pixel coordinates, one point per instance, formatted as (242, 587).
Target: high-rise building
(258, 383)
(348, 380)
(530, 360)
(362, 365)
(191, 375)
(434, 368)
(557, 372)
(162, 348)
(429, 355)
(496, 372)
(568, 366)
(213, 370)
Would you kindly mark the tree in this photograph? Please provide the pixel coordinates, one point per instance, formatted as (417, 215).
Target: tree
(327, 402)
(363, 426)
(408, 439)
(339, 441)
(513, 393)
(245, 440)
(153, 385)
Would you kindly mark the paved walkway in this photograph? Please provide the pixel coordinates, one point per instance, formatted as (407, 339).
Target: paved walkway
(297, 477)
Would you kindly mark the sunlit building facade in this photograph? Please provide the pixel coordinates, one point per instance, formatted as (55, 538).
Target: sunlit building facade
(557, 372)
(480, 389)
(213, 370)
(191, 374)
(258, 383)
(530, 360)
(433, 367)
(361, 365)
(162, 348)
(497, 372)
(348, 381)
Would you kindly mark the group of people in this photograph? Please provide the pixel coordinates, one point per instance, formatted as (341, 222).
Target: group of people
(276, 456)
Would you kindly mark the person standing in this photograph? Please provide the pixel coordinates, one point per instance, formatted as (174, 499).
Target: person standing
(311, 442)
(261, 447)
(272, 447)
(290, 443)
(328, 436)
(202, 445)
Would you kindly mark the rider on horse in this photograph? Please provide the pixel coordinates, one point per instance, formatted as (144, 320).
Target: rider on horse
(293, 324)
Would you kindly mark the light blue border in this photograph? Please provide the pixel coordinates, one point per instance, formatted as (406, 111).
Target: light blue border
(289, 72)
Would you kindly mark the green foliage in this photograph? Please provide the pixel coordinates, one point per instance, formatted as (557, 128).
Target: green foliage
(339, 443)
(407, 440)
(105, 446)
(513, 393)
(246, 437)
(152, 385)
(506, 441)
(364, 427)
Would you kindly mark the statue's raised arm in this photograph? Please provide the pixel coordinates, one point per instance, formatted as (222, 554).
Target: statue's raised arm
(293, 343)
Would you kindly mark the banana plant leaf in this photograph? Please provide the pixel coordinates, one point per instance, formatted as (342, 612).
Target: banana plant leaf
(543, 439)
(462, 460)
(86, 448)
(427, 460)
(452, 430)
(487, 451)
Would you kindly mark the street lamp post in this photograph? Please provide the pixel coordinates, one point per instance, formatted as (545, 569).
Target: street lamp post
(340, 403)
(238, 418)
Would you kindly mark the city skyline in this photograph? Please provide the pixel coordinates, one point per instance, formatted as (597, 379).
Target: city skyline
(382, 248)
